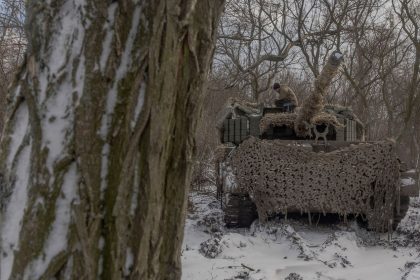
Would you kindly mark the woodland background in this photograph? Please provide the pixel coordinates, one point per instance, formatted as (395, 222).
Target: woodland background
(265, 41)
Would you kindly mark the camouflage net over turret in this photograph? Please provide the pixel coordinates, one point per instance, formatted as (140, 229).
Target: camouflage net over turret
(360, 179)
(288, 120)
(277, 119)
(235, 107)
(314, 104)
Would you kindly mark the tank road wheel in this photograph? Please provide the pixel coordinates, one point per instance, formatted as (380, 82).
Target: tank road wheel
(404, 205)
(240, 210)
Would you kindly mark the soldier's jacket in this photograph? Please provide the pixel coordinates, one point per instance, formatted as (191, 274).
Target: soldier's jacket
(283, 93)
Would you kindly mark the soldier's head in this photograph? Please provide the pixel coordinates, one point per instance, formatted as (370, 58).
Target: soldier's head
(280, 88)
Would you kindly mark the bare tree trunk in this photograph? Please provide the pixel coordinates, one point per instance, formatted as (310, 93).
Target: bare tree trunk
(98, 143)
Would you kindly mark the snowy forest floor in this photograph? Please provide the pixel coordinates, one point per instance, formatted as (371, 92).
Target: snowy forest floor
(294, 250)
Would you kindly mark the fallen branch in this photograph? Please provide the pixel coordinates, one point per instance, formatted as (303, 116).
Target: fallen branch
(247, 267)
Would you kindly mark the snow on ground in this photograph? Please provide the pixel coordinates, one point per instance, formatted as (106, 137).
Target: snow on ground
(295, 250)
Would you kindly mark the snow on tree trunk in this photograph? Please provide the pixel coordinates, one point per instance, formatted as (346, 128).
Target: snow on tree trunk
(97, 148)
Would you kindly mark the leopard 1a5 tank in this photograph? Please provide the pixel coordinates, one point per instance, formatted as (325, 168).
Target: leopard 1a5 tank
(308, 159)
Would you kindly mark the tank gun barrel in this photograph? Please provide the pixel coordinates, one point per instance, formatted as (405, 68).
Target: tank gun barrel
(323, 81)
(314, 103)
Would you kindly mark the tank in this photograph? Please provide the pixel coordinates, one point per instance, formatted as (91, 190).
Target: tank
(311, 158)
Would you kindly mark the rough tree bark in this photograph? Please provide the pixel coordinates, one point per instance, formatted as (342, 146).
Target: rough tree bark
(96, 151)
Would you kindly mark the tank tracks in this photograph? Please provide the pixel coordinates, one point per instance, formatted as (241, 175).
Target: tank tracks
(240, 211)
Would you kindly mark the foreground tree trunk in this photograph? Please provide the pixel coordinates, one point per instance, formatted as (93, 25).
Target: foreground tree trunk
(97, 147)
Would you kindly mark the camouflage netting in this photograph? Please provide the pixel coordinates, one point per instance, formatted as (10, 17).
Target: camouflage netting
(277, 119)
(288, 120)
(360, 179)
(346, 113)
(234, 108)
(342, 112)
(325, 118)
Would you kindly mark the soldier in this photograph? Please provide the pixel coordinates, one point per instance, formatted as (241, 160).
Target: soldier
(281, 96)
(285, 98)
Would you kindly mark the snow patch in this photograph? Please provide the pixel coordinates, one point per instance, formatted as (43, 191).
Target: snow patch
(104, 168)
(139, 105)
(407, 181)
(414, 273)
(19, 129)
(101, 246)
(69, 32)
(410, 225)
(67, 40)
(57, 238)
(109, 31)
(14, 214)
(122, 69)
(230, 183)
(79, 84)
(337, 55)
(278, 249)
(57, 123)
(129, 261)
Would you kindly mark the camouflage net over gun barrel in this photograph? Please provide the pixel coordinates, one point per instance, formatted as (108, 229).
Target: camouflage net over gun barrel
(314, 104)
(359, 179)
